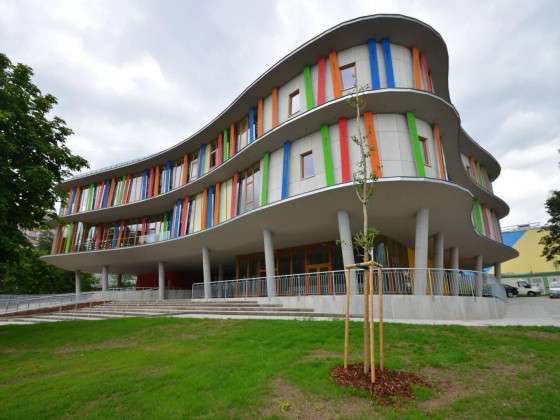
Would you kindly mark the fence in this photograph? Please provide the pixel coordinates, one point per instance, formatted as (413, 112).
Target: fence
(396, 281)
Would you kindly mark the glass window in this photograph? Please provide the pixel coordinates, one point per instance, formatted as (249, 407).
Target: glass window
(213, 154)
(348, 76)
(307, 165)
(242, 133)
(425, 150)
(294, 103)
(249, 191)
(193, 166)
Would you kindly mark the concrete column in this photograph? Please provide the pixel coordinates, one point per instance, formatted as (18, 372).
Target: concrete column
(454, 251)
(78, 283)
(269, 263)
(206, 273)
(105, 278)
(498, 272)
(438, 263)
(478, 268)
(421, 251)
(161, 281)
(345, 234)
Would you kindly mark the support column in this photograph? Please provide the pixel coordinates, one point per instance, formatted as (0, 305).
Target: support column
(439, 274)
(498, 272)
(206, 274)
(478, 268)
(421, 251)
(269, 263)
(105, 278)
(161, 281)
(345, 234)
(454, 286)
(78, 283)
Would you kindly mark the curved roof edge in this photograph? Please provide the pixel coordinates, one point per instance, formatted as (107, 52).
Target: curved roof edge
(401, 29)
(485, 157)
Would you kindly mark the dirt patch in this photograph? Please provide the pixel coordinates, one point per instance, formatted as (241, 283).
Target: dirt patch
(320, 354)
(105, 345)
(544, 335)
(389, 384)
(292, 403)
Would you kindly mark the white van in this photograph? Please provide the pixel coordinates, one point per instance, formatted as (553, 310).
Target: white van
(523, 287)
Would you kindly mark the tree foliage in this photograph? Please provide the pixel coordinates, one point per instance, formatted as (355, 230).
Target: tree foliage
(34, 159)
(551, 240)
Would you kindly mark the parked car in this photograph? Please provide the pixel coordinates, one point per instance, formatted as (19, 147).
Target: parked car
(554, 290)
(511, 291)
(523, 287)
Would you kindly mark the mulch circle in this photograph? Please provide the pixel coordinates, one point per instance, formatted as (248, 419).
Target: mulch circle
(388, 383)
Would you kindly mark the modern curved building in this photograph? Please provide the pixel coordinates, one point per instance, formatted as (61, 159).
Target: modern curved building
(265, 190)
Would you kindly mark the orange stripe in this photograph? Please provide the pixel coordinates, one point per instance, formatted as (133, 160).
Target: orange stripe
(260, 117)
(111, 192)
(217, 203)
(204, 209)
(232, 140)
(156, 180)
(437, 136)
(119, 239)
(77, 198)
(372, 143)
(274, 107)
(335, 75)
(185, 166)
(416, 65)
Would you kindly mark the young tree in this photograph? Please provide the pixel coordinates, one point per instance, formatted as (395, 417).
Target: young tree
(551, 240)
(35, 159)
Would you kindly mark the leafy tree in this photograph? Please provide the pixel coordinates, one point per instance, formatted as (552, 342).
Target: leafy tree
(551, 240)
(34, 160)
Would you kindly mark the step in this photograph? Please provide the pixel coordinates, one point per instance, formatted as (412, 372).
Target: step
(60, 316)
(188, 308)
(183, 304)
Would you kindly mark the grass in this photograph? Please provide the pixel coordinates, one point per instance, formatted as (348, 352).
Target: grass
(180, 368)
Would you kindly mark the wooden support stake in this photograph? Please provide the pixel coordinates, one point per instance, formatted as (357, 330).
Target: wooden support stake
(366, 319)
(380, 288)
(371, 326)
(346, 318)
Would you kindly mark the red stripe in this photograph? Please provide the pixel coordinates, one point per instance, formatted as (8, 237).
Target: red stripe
(344, 155)
(219, 151)
(184, 216)
(321, 81)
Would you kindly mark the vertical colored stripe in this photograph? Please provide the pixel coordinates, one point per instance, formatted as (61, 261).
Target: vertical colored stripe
(426, 71)
(335, 75)
(105, 194)
(344, 153)
(184, 216)
(321, 81)
(264, 178)
(478, 175)
(201, 159)
(286, 169)
(185, 169)
(372, 145)
(251, 125)
(373, 64)
(156, 180)
(232, 139)
(210, 207)
(416, 67)
(220, 150)
(204, 209)
(415, 143)
(71, 203)
(478, 217)
(309, 100)
(260, 117)
(386, 46)
(327, 156)
(70, 228)
(225, 154)
(216, 204)
(234, 183)
(274, 100)
(439, 147)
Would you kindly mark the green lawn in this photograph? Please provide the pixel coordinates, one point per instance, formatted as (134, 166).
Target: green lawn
(179, 368)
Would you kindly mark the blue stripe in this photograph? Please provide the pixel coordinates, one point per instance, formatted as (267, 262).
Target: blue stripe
(72, 196)
(373, 65)
(201, 159)
(105, 193)
(251, 125)
(385, 44)
(286, 169)
(115, 236)
(210, 207)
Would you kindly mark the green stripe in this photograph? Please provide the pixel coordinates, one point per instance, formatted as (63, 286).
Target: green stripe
(70, 230)
(415, 143)
(327, 156)
(121, 190)
(264, 179)
(479, 174)
(308, 88)
(91, 196)
(225, 146)
(478, 218)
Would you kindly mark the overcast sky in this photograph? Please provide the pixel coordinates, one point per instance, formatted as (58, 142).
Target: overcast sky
(134, 77)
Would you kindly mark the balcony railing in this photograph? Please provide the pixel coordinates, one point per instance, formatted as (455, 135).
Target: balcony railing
(395, 281)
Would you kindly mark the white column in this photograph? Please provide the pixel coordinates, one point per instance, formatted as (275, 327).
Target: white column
(206, 274)
(269, 263)
(498, 272)
(345, 234)
(454, 251)
(161, 281)
(78, 283)
(421, 251)
(478, 268)
(105, 278)
(438, 263)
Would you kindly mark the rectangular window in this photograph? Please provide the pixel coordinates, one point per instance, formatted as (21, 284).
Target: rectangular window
(193, 166)
(425, 150)
(242, 133)
(348, 76)
(307, 165)
(213, 153)
(294, 103)
(249, 189)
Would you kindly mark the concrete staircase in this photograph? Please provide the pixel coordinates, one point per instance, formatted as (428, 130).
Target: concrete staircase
(177, 308)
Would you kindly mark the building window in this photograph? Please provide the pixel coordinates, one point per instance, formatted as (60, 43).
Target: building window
(425, 150)
(249, 189)
(307, 165)
(242, 133)
(348, 76)
(294, 103)
(193, 166)
(213, 153)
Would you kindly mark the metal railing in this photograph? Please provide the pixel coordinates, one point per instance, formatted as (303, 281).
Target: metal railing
(395, 281)
(15, 304)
